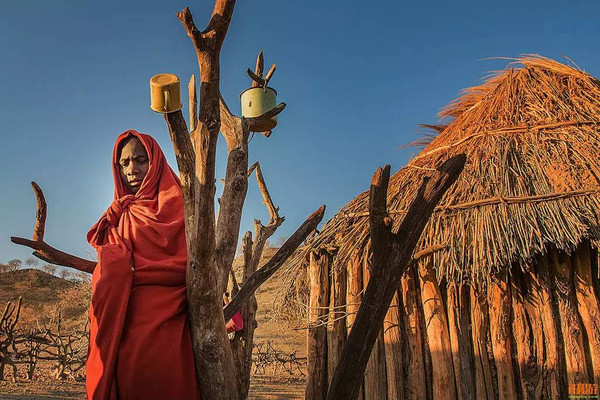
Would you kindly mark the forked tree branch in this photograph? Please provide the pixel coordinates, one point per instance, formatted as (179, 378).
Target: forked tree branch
(390, 259)
(43, 250)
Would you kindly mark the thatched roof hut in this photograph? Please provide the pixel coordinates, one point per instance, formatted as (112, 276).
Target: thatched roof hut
(531, 179)
(506, 234)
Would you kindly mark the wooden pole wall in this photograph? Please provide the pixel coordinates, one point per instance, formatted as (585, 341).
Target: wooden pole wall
(524, 336)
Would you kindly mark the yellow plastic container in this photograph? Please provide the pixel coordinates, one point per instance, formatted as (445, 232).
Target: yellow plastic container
(165, 95)
(257, 101)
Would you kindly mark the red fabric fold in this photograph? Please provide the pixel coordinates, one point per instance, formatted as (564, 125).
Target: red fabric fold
(140, 346)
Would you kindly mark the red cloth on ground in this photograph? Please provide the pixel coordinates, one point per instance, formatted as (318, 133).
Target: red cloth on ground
(140, 345)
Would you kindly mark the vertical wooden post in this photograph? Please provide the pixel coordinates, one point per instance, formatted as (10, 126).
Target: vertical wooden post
(318, 270)
(484, 385)
(570, 321)
(354, 295)
(336, 323)
(528, 334)
(412, 323)
(499, 303)
(460, 340)
(588, 304)
(375, 375)
(540, 301)
(392, 334)
(438, 337)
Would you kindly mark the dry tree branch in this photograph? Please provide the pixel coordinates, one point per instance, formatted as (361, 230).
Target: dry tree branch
(43, 250)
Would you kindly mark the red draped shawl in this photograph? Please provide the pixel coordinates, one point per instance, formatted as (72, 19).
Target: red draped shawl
(140, 346)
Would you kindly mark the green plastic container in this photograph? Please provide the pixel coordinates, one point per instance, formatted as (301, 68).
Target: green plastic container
(257, 101)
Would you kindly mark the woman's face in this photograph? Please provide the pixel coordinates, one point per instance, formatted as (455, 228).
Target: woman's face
(133, 164)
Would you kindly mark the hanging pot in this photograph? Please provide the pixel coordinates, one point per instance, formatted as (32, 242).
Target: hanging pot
(257, 101)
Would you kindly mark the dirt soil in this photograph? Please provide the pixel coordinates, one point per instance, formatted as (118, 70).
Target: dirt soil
(268, 384)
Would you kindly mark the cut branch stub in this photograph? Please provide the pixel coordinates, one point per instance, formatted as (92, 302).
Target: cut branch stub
(43, 250)
(259, 277)
(391, 258)
(258, 70)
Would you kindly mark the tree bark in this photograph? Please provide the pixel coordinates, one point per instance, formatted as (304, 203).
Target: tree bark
(353, 297)
(392, 254)
(242, 343)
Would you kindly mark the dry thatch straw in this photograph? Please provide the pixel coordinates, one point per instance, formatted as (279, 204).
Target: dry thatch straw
(531, 136)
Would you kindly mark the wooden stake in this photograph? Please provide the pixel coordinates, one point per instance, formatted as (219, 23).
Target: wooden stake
(412, 322)
(394, 360)
(460, 340)
(484, 386)
(499, 303)
(438, 337)
(570, 321)
(528, 334)
(336, 324)
(588, 304)
(318, 270)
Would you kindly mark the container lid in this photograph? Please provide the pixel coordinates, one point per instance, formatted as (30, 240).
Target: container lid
(164, 79)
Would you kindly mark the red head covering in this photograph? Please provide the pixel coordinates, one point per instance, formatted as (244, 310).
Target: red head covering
(138, 286)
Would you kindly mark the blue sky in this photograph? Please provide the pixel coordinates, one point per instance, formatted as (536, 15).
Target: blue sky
(358, 78)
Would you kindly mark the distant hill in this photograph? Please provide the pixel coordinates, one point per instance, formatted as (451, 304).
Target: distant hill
(43, 294)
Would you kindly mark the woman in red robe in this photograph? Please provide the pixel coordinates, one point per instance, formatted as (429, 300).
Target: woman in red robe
(140, 344)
